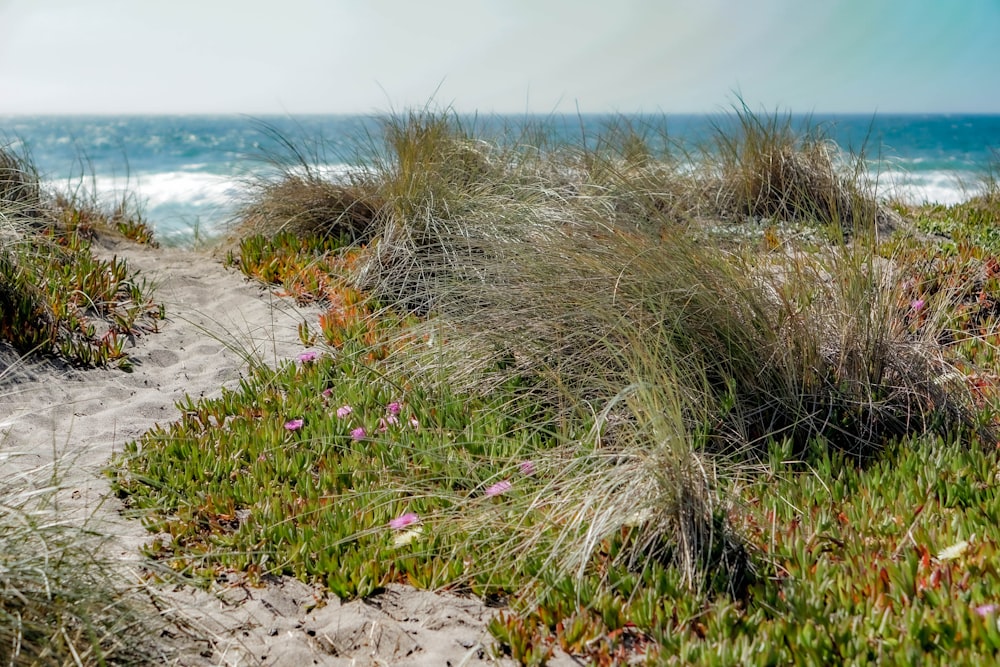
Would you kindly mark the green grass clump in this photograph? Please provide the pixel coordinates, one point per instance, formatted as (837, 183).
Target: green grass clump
(56, 296)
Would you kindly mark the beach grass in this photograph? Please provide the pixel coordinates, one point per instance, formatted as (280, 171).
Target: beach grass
(569, 380)
(61, 601)
(711, 405)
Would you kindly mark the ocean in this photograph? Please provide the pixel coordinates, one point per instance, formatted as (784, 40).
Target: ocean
(190, 172)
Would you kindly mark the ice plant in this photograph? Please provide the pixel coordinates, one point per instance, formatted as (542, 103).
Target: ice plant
(358, 433)
(403, 520)
(391, 419)
(527, 467)
(414, 423)
(394, 408)
(328, 392)
(343, 411)
(294, 424)
(497, 489)
(917, 305)
(308, 355)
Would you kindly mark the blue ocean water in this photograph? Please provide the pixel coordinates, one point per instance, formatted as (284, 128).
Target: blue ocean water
(190, 171)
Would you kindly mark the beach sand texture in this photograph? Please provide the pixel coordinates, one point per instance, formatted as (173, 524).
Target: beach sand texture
(78, 419)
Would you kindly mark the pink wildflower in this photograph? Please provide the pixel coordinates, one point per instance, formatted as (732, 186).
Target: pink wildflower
(328, 392)
(917, 304)
(391, 420)
(308, 355)
(527, 467)
(414, 423)
(382, 428)
(497, 489)
(343, 411)
(294, 424)
(985, 610)
(403, 521)
(358, 433)
(394, 408)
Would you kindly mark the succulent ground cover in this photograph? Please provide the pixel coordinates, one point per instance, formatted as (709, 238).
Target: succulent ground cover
(57, 296)
(542, 380)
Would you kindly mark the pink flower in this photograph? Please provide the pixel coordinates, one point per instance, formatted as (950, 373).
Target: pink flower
(328, 392)
(527, 467)
(497, 489)
(394, 408)
(414, 423)
(382, 428)
(985, 610)
(358, 433)
(391, 420)
(294, 424)
(403, 521)
(343, 411)
(917, 304)
(308, 355)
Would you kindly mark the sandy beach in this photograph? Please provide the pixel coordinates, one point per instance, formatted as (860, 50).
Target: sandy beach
(78, 419)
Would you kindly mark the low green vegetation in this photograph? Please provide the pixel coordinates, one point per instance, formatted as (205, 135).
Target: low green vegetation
(573, 382)
(57, 296)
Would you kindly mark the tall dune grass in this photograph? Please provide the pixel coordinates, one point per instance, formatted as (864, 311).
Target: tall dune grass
(580, 278)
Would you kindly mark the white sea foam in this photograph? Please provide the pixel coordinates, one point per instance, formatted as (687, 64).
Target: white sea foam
(922, 187)
(174, 203)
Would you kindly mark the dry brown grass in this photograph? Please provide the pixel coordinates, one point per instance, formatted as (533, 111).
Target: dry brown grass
(312, 204)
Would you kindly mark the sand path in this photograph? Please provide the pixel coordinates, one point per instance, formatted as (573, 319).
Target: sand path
(81, 418)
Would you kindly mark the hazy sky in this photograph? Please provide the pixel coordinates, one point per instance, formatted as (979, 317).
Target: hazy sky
(302, 56)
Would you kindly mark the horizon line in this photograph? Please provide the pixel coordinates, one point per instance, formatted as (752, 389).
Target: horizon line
(460, 112)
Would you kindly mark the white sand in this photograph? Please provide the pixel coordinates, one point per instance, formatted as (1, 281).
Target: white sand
(80, 418)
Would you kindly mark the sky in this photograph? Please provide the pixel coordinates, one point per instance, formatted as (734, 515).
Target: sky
(498, 56)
